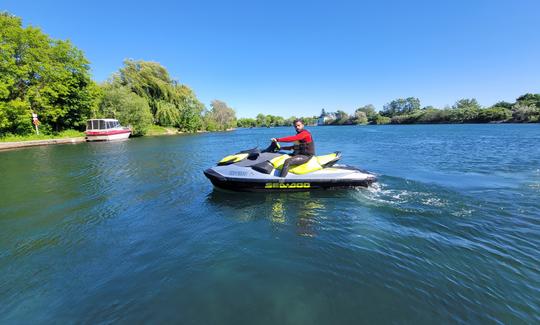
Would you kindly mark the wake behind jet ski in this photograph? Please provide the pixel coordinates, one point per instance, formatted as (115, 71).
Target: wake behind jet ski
(258, 170)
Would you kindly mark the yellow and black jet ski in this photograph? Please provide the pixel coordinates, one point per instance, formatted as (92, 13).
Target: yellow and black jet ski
(256, 170)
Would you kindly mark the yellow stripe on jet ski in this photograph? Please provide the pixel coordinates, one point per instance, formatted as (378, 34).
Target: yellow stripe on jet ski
(234, 158)
(278, 161)
(322, 160)
(311, 166)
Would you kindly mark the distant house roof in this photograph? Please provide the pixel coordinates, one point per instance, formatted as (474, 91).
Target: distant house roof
(328, 115)
(103, 119)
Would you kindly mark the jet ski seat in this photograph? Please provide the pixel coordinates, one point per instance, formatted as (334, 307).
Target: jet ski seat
(314, 164)
(266, 167)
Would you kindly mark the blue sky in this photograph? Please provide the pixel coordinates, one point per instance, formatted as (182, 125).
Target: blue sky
(296, 57)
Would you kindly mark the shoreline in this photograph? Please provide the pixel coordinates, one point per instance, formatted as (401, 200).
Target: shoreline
(4, 146)
(34, 143)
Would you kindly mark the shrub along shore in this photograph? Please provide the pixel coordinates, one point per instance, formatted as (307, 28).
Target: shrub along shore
(51, 78)
(526, 109)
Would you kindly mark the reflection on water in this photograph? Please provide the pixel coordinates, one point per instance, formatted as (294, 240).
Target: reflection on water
(303, 209)
(278, 212)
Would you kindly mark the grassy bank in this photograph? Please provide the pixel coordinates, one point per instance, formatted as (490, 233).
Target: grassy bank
(154, 130)
(30, 137)
(161, 130)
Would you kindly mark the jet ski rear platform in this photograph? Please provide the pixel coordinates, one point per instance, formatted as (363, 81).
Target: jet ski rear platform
(258, 171)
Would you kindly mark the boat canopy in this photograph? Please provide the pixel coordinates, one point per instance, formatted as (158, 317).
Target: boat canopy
(102, 124)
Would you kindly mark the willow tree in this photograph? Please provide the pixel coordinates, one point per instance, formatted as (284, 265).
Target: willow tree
(220, 116)
(42, 75)
(130, 109)
(171, 103)
(191, 110)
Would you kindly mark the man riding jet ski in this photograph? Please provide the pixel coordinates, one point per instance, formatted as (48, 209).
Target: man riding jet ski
(303, 149)
(262, 170)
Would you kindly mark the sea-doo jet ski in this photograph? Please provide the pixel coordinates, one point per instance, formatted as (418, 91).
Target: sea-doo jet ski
(256, 170)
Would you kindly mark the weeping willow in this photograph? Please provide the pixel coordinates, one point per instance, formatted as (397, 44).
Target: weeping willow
(167, 114)
(171, 103)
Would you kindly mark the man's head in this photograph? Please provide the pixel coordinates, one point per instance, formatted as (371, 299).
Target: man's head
(298, 125)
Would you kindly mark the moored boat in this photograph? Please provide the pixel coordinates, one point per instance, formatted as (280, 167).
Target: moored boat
(106, 129)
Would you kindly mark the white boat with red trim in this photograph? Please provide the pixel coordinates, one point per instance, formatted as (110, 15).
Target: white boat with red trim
(106, 129)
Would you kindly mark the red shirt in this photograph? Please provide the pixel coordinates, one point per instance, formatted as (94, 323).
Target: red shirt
(302, 135)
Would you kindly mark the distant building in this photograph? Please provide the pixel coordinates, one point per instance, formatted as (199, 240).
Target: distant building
(326, 118)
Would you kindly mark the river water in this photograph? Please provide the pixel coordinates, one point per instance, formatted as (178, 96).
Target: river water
(133, 232)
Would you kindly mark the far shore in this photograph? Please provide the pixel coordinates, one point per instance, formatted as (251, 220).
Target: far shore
(168, 131)
(30, 142)
(162, 130)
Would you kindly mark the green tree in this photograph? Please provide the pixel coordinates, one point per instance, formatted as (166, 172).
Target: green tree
(209, 123)
(310, 120)
(494, 114)
(525, 113)
(433, 115)
(246, 122)
(150, 80)
(221, 116)
(465, 111)
(171, 103)
(369, 110)
(190, 110)
(125, 106)
(379, 119)
(341, 118)
(15, 117)
(290, 120)
(529, 100)
(503, 104)
(279, 121)
(261, 120)
(270, 121)
(467, 104)
(42, 75)
(167, 114)
(360, 117)
(401, 106)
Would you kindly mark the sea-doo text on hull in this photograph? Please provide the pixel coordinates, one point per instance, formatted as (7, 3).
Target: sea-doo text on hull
(258, 171)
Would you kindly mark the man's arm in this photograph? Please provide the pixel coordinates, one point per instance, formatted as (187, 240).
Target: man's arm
(298, 137)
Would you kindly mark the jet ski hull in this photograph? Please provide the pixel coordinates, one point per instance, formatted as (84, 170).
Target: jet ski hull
(254, 170)
(296, 184)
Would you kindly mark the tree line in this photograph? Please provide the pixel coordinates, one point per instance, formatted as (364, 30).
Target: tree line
(262, 120)
(526, 109)
(51, 78)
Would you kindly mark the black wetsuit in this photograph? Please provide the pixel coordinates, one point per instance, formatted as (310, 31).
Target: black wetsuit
(304, 149)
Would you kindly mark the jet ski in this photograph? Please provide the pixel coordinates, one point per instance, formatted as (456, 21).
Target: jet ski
(257, 170)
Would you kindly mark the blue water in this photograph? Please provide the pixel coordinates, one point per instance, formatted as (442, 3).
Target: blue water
(133, 232)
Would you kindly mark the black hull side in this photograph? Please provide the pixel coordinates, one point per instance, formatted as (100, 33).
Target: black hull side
(298, 185)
